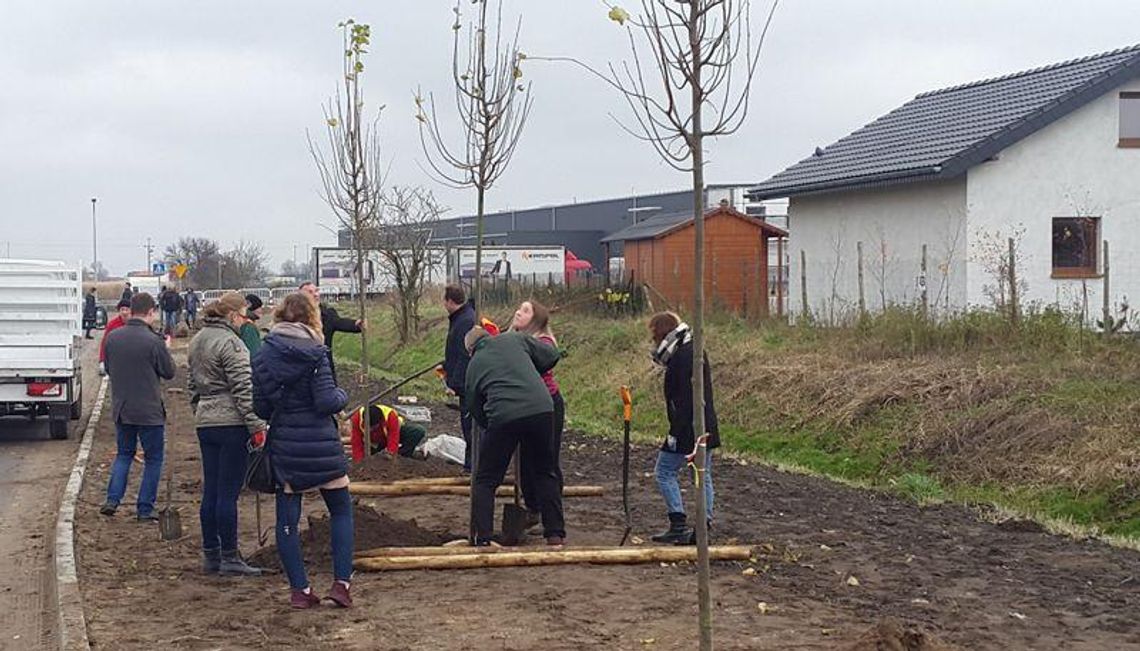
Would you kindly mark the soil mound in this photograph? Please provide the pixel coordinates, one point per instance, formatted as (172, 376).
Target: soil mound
(372, 529)
(890, 635)
(380, 468)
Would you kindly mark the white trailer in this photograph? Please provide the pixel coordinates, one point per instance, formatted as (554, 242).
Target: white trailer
(41, 312)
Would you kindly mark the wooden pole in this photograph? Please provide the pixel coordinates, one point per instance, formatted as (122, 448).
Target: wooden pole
(618, 556)
(780, 277)
(922, 286)
(1106, 330)
(806, 314)
(460, 550)
(859, 265)
(1014, 316)
(408, 490)
(432, 481)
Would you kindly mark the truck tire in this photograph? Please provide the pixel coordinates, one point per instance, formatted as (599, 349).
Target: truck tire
(58, 428)
(77, 406)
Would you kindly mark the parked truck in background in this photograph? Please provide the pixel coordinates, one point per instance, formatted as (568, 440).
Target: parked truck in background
(41, 312)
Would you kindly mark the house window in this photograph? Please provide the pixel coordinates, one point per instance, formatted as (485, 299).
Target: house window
(1075, 246)
(1130, 119)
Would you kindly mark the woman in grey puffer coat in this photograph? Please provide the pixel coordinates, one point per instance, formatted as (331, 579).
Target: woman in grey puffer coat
(221, 394)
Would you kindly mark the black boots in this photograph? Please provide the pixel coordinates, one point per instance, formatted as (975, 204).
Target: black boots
(232, 564)
(679, 533)
(211, 560)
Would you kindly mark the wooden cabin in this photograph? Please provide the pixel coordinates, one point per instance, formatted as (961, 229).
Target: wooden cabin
(660, 252)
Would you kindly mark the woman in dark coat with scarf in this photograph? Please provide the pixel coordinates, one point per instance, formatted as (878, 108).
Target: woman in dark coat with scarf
(293, 389)
(673, 349)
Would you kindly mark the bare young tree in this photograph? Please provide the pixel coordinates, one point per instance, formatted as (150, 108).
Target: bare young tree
(202, 255)
(350, 164)
(245, 265)
(492, 105)
(690, 79)
(404, 241)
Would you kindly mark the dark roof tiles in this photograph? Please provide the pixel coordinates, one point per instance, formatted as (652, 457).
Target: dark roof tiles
(944, 132)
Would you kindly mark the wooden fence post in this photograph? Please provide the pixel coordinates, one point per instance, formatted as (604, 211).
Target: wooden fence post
(923, 286)
(803, 285)
(1014, 316)
(862, 295)
(779, 277)
(1107, 327)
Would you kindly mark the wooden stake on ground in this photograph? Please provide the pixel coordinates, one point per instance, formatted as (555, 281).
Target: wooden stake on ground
(463, 550)
(612, 556)
(436, 481)
(408, 490)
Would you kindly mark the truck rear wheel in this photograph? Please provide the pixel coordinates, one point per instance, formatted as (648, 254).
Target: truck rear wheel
(77, 406)
(58, 428)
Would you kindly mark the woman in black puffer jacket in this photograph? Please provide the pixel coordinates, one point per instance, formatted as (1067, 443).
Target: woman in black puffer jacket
(293, 389)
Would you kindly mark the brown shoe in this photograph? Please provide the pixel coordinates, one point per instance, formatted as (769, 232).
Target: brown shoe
(339, 595)
(555, 541)
(302, 600)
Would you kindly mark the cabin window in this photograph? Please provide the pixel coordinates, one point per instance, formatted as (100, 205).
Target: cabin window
(1130, 119)
(1075, 247)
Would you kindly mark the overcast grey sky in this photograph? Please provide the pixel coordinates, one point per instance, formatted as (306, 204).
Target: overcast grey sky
(189, 118)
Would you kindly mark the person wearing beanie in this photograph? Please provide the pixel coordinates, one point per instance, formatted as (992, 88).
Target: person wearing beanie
(119, 321)
(221, 394)
(249, 332)
(673, 350)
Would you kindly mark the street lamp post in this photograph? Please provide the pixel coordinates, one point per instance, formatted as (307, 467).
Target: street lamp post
(94, 244)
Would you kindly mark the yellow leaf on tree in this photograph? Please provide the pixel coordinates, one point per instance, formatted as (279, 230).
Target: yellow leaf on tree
(618, 15)
(333, 122)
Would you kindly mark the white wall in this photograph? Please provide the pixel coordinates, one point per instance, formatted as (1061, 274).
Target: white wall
(893, 223)
(1071, 168)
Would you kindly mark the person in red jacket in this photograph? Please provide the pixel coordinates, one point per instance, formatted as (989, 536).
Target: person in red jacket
(389, 432)
(119, 321)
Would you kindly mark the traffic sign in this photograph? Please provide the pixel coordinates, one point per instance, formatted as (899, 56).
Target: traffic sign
(158, 268)
(181, 269)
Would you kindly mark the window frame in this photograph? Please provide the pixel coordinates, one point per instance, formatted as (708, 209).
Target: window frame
(1089, 271)
(1129, 142)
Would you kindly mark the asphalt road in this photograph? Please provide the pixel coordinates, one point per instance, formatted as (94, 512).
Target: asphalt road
(33, 472)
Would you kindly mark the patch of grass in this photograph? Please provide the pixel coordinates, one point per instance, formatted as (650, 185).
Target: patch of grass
(853, 403)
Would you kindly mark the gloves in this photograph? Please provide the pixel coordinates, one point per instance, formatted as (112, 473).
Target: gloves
(257, 439)
(102, 369)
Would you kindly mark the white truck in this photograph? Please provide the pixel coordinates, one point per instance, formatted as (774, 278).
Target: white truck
(41, 313)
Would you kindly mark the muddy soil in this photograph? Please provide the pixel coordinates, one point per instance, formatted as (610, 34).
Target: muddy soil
(834, 567)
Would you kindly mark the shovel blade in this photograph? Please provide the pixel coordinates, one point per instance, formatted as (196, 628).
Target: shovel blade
(170, 523)
(514, 525)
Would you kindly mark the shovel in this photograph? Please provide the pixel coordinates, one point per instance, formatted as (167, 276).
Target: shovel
(514, 515)
(627, 416)
(169, 519)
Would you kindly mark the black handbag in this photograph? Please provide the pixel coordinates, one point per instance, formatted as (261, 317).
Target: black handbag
(259, 475)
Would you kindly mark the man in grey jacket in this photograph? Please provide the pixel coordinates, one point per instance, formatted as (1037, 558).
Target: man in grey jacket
(137, 359)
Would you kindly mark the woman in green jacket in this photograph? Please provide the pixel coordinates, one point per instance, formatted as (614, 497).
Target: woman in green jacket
(249, 332)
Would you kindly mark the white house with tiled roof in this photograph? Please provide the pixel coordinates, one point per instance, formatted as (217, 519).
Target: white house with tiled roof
(1050, 157)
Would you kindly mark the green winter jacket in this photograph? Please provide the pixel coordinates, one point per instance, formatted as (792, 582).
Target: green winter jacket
(504, 379)
(221, 391)
(251, 336)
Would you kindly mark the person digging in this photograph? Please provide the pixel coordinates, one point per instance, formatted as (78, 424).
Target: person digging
(505, 394)
(390, 432)
(673, 350)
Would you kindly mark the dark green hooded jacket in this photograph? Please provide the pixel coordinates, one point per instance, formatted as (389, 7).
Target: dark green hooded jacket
(504, 379)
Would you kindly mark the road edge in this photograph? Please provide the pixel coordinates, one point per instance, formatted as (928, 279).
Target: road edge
(69, 600)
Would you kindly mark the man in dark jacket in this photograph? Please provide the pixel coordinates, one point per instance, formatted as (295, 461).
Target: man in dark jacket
(461, 318)
(137, 359)
(127, 293)
(90, 312)
(674, 351)
(331, 322)
(171, 304)
(506, 395)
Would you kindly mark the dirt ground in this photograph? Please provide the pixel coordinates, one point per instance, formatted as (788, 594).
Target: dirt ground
(835, 568)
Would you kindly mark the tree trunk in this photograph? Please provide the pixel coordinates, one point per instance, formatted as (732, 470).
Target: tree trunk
(704, 596)
(619, 556)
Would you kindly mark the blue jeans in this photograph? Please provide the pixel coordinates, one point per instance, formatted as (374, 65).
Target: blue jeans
(669, 464)
(224, 459)
(127, 439)
(339, 504)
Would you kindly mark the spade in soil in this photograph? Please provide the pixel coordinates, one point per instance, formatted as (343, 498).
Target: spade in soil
(169, 519)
